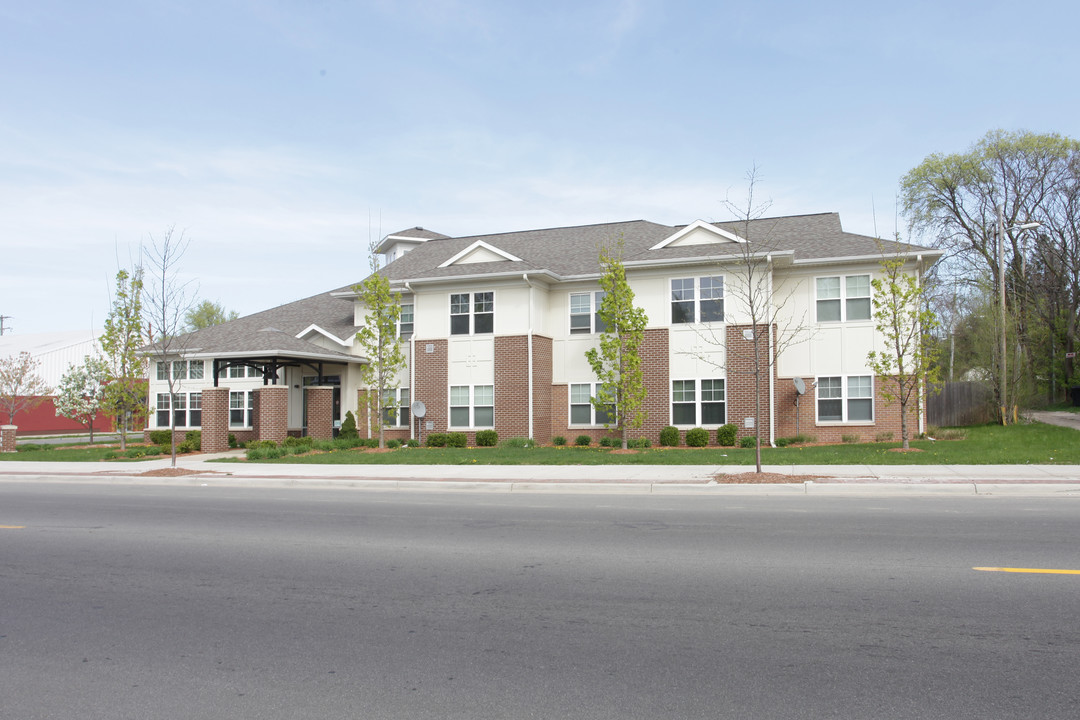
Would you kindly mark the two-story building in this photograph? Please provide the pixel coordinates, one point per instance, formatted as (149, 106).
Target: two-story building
(496, 327)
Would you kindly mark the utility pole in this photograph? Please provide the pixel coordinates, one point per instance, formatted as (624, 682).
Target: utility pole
(1003, 382)
(2, 319)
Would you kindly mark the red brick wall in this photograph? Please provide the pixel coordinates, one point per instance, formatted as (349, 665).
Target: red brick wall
(512, 386)
(432, 383)
(320, 410)
(270, 419)
(886, 416)
(43, 420)
(215, 419)
(7, 438)
(740, 382)
(542, 389)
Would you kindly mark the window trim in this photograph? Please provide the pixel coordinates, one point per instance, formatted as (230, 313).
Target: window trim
(594, 421)
(405, 329)
(595, 298)
(472, 408)
(403, 417)
(698, 402)
(845, 400)
(843, 298)
(698, 291)
(471, 312)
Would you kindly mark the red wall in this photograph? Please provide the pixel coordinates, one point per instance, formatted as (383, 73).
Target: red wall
(43, 420)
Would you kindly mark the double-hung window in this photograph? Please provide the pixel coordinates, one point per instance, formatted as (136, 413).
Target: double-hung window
(179, 369)
(195, 408)
(696, 300)
(395, 412)
(472, 406)
(585, 313)
(582, 410)
(472, 313)
(180, 409)
(698, 402)
(845, 399)
(405, 320)
(843, 298)
(162, 409)
(195, 370)
(162, 371)
(241, 405)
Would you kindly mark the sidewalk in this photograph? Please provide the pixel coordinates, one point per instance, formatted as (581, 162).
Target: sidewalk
(1041, 480)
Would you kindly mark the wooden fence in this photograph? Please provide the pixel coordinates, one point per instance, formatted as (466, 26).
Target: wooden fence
(960, 403)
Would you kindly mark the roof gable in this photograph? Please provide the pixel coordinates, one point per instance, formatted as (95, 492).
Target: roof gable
(698, 232)
(480, 252)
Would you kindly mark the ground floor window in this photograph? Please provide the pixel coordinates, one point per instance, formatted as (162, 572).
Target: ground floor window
(845, 399)
(241, 409)
(395, 411)
(185, 409)
(472, 406)
(698, 402)
(582, 410)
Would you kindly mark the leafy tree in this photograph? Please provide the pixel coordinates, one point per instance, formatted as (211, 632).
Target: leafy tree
(125, 395)
(21, 388)
(617, 360)
(381, 344)
(909, 360)
(82, 391)
(167, 303)
(207, 314)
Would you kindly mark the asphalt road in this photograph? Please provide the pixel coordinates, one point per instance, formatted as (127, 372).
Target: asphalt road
(151, 602)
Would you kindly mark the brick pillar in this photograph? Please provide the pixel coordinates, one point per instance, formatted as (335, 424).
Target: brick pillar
(655, 362)
(215, 419)
(363, 414)
(271, 413)
(320, 410)
(739, 383)
(542, 400)
(432, 383)
(7, 438)
(512, 385)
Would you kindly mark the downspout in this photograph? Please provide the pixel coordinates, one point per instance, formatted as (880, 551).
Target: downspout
(772, 362)
(525, 277)
(412, 366)
(922, 388)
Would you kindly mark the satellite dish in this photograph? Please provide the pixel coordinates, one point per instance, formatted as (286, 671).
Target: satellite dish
(800, 386)
(418, 409)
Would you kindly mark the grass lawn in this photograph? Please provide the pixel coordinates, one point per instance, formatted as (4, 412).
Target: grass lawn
(984, 445)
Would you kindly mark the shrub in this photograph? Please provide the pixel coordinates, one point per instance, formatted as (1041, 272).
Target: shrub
(583, 441)
(436, 440)
(558, 441)
(783, 442)
(111, 455)
(160, 450)
(194, 438)
(520, 442)
(457, 440)
(261, 445)
(412, 442)
(883, 437)
(161, 437)
(697, 437)
(139, 452)
(487, 438)
(232, 441)
(725, 435)
(639, 443)
(393, 443)
(849, 439)
(31, 448)
(348, 427)
(185, 447)
(750, 441)
(610, 442)
(951, 434)
(669, 436)
(293, 442)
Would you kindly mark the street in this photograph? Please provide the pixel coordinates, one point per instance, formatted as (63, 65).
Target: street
(197, 602)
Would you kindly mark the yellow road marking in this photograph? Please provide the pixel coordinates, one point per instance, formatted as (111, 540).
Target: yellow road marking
(12, 527)
(1046, 571)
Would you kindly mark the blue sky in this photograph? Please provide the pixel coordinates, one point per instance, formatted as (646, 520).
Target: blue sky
(281, 136)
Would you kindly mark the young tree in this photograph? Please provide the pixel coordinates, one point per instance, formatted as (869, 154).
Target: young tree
(21, 388)
(381, 344)
(167, 303)
(125, 395)
(909, 360)
(206, 314)
(81, 394)
(617, 360)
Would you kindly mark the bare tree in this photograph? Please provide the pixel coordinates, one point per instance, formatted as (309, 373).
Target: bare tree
(168, 301)
(770, 330)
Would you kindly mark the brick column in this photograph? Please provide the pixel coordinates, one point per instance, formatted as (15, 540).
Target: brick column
(320, 409)
(7, 438)
(432, 383)
(739, 384)
(215, 419)
(271, 413)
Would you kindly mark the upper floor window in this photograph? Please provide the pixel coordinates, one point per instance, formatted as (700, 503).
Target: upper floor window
(405, 320)
(849, 399)
(697, 299)
(585, 313)
(195, 370)
(698, 402)
(163, 371)
(472, 312)
(842, 298)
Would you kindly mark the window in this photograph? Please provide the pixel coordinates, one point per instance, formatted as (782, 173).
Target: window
(697, 299)
(162, 408)
(237, 371)
(195, 408)
(180, 409)
(583, 412)
(480, 412)
(856, 405)
(395, 411)
(195, 370)
(690, 407)
(844, 298)
(585, 313)
(240, 412)
(477, 308)
(405, 320)
(179, 369)
(162, 371)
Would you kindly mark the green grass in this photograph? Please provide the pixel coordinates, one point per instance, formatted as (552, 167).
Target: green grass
(74, 452)
(985, 445)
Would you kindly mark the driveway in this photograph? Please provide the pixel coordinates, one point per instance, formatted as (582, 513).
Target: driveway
(1064, 419)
